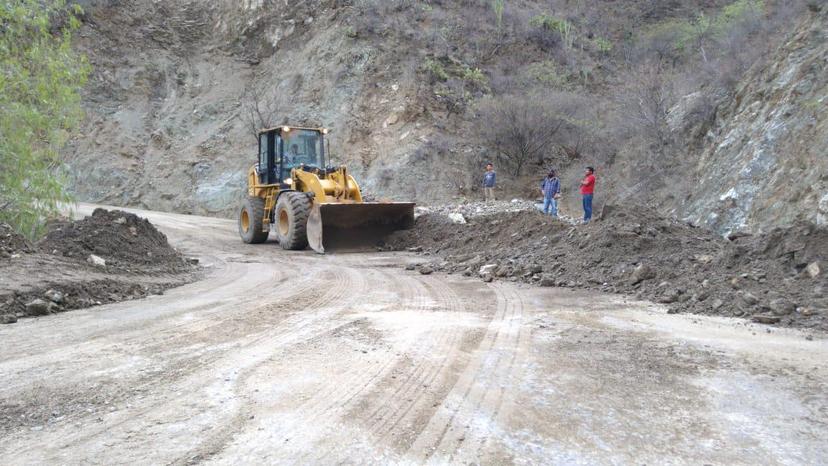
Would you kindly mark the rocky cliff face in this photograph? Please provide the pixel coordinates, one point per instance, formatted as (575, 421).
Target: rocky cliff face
(163, 105)
(766, 161)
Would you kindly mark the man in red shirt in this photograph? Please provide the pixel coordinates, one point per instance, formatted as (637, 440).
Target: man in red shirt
(587, 190)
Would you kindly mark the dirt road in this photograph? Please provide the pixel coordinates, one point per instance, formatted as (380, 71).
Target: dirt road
(280, 357)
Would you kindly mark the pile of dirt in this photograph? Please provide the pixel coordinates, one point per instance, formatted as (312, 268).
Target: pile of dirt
(773, 278)
(122, 239)
(12, 243)
(108, 257)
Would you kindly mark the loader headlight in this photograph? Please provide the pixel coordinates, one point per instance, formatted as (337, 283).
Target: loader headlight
(286, 129)
(324, 131)
(288, 181)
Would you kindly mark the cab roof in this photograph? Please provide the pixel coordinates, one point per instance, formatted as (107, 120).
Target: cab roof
(279, 128)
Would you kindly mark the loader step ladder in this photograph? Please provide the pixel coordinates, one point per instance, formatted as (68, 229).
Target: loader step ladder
(270, 203)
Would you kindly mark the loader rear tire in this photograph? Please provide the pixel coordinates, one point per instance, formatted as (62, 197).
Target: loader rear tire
(291, 220)
(251, 219)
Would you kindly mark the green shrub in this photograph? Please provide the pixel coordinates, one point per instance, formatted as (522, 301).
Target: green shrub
(553, 24)
(40, 82)
(602, 44)
(473, 75)
(738, 11)
(436, 69)
(548, 73)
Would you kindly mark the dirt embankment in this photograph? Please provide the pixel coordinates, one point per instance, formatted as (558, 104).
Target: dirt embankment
(107, 257)
(774, 278)
(12, 243)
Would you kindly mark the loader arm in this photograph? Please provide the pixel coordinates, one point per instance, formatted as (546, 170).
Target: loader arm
(340, 218)
(331, 186)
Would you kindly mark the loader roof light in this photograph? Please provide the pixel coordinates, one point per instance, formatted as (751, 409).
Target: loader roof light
(286, 129)
(324, 131)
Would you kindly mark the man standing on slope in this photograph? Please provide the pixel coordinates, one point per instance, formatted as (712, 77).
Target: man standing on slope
(587, 190)
(551, 189)
(489, 179)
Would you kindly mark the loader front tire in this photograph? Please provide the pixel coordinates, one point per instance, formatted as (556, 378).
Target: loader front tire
(291, 219)
(251, 219)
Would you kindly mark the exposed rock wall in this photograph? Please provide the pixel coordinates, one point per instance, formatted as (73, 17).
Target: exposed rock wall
(163, 104)
(766, 163)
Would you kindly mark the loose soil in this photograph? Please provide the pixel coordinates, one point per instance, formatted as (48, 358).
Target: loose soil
(634, 251)
(57, 270)
(124, 240)
(12, 243)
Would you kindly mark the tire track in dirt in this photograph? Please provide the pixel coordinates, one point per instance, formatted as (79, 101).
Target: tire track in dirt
(410, 392)
(477, 392)
(351, 282)
(346, 390)
(393, 415)
(79, 332)
(343, 393)
(192, 367)
(500, 401)
(181, 335)
(413, 291)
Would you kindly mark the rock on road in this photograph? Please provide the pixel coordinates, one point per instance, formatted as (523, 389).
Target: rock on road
(291, 357)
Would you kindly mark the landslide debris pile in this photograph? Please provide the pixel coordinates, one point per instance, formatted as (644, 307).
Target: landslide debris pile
(122, 239)
(107, 257)
(774, 278)
(12, 243)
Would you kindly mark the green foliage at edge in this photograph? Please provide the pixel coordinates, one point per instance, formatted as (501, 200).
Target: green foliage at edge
(686, 32)
(40, 82)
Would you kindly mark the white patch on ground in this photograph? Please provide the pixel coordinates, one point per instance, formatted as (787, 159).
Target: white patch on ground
(751, 409)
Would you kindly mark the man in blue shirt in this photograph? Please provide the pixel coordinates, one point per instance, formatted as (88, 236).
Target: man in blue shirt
(489, 179)
(551, 189)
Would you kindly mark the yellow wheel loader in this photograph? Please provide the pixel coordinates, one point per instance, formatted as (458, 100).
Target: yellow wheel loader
(294, 194)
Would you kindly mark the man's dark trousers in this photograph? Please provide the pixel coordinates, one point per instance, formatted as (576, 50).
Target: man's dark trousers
(587, 207)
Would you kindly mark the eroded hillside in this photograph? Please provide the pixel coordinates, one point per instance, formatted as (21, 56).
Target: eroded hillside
(408, 89)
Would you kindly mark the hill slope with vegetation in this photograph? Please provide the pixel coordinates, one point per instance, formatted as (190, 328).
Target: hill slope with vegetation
(419, 94)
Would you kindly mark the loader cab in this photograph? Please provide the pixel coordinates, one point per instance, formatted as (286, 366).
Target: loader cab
(284, 148)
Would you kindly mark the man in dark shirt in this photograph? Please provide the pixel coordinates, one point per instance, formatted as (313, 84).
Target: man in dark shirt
(551, 189)
(489, 180)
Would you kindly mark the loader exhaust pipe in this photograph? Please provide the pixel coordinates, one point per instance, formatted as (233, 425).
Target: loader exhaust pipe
(344, 227)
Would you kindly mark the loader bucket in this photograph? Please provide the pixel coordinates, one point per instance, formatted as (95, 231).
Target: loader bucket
(356, 226)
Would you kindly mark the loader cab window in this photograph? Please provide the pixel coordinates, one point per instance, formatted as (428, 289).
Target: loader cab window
(263, 151)
(277, 170)
(268, 165)
(301, 147)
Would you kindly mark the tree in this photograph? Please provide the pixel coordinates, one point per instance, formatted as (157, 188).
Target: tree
(260, 110)
(522, 129)
(40, 82)
(646, 105)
